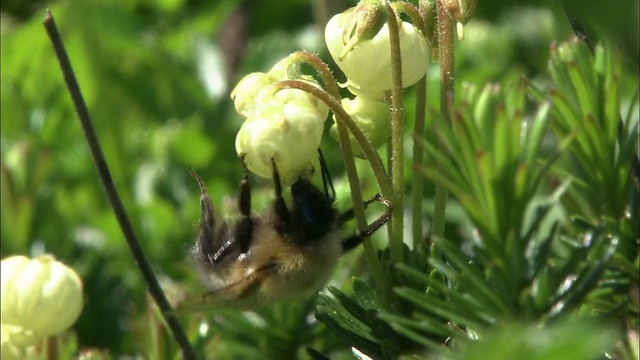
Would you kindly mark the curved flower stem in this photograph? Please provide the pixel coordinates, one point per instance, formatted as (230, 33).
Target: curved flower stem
(446, 59)
(397, 139)
(417, 180)
(410, 10)
(374, 159)
(321, 67)
(346, 123)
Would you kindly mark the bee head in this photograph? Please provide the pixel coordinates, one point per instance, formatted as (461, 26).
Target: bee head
(315, 210)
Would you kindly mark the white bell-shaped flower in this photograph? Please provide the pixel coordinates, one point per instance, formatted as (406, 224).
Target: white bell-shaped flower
(367, 62)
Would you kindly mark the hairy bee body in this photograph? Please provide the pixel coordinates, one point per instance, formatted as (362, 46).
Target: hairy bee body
(285, 253)
(272, 270)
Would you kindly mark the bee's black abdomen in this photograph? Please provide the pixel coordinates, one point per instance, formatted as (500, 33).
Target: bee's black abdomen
(313, 211)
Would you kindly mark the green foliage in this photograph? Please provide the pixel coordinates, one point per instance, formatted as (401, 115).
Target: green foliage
(253, 335)
(524, 262)
(561, 341)
(586, 106)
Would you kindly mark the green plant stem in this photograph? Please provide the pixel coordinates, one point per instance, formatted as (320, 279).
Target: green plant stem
(446, 59)
(417, 180)
(321, 67)
(406, 8)
(345, 121)
(397, 139)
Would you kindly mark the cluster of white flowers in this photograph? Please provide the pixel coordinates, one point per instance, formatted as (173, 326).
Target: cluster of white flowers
(286, 125)
(40, 297)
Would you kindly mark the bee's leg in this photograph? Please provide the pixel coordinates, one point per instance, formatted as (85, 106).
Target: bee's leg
(244, 227)
(329, 191)
(349, 214)
(279, 204)
(356, 239)
(207, 221)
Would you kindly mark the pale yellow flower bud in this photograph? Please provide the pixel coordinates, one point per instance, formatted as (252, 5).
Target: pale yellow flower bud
(361, 23)
(246, 91)
(373, 118)
(40, 297)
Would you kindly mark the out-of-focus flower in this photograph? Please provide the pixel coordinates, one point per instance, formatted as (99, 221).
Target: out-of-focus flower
(9, 351)
(366, 61)
(40, 297)
(373, 118)
(13, 352)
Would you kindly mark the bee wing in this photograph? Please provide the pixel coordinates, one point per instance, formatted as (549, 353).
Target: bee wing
(240, 294)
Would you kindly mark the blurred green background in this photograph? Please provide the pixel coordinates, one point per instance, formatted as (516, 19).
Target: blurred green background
(156, 77)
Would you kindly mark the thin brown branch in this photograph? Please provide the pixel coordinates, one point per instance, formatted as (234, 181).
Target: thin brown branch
(112, 194)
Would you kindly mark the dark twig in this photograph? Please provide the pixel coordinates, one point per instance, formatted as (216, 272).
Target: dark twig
(112, 194)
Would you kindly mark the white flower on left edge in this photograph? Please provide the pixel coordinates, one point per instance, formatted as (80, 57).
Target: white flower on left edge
(40, 297)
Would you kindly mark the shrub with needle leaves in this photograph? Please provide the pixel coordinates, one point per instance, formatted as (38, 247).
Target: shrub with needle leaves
(523, 262)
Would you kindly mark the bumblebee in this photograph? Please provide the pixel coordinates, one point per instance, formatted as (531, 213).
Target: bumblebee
(286, 253)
